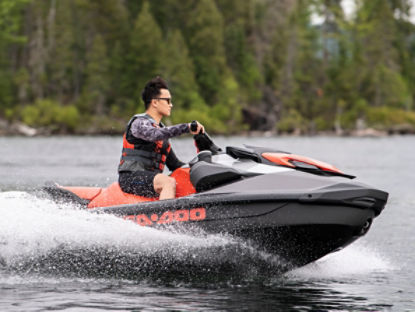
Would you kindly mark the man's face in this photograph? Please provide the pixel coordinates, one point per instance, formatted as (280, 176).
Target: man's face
(163, 102)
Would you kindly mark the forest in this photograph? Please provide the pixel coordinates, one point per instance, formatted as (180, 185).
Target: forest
(281, 66)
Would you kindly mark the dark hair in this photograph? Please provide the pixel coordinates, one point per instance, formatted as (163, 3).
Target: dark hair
(152, 90)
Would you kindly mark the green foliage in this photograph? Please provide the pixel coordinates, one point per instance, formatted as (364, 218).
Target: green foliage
(291, 122)
(48, 113)
(10, 20)
(203, 114)
(267, 58)
(393, 90)
(64, 60)
(242, 62)
(97, 78)
(178, 70)
(206, 45)
(323, 124)
(303, 95)
(356, 111)
(11, 14)
(145, 54)
(6, 91)
(389, 117)
(227, 110)
(376, 55)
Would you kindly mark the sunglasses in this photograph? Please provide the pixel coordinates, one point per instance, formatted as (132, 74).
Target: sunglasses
(168, 100)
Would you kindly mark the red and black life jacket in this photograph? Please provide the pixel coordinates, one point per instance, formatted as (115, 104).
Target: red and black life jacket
(139, 155)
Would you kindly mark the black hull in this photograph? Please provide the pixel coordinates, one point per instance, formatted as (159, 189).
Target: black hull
(302, 244)
(300, 227)
(299, 233)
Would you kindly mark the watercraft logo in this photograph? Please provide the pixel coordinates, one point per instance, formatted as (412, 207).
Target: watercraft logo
(184, 215)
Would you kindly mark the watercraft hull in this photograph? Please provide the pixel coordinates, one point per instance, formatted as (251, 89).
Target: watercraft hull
(298, 232)
(296, 215)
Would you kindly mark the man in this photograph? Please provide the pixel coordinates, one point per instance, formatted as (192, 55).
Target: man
(146, 147)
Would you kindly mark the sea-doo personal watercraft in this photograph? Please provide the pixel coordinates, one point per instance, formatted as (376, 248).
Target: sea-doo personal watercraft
(290, 205)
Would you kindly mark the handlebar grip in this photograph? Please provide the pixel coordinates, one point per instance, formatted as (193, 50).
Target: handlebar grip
(193, 126)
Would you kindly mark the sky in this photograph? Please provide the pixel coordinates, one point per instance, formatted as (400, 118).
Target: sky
(348, 6)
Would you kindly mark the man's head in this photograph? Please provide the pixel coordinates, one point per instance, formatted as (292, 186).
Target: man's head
(153, 90)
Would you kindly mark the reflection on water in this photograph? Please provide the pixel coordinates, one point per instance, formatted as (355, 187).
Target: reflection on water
(104, 294)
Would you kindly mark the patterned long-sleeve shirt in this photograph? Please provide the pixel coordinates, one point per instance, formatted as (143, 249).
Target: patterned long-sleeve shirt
(143, 128)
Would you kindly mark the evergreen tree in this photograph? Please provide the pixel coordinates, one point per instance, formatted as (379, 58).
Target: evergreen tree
(133, 8)
(172, 14)
(227, 110)
(11, 14)
(295, 72)
(206, 45)
(405, 45)
(63, 74)
(97, 77)
(242, 61)
(337, 64)
(240, 21)
(381, 84)
(117, 77)
(178, 70)
(278, 74)
(145, 54)
(307, 96)
(10, 21)
(218, 86)
(218, 56)
(108, 17)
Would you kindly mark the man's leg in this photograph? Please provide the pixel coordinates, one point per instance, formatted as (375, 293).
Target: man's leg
(165, 186)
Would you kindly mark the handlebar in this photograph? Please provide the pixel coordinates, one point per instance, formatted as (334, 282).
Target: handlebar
(203, 141)
(193, 126)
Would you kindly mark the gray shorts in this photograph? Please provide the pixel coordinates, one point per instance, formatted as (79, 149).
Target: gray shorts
(138, 183)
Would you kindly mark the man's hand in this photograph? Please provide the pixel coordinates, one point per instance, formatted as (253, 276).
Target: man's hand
(199, 128)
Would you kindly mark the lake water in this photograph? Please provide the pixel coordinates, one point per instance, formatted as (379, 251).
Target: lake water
(54, 257)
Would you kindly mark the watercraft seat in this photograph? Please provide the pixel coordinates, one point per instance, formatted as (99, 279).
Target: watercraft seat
(201, 156)
(205, 176)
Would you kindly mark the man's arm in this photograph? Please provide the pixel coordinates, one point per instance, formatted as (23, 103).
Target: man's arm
(173, 162)
(143, 129)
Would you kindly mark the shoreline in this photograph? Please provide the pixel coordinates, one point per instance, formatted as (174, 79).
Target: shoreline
(19, 129)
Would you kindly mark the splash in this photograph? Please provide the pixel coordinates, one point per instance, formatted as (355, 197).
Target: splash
(352, 261)
(40, 236)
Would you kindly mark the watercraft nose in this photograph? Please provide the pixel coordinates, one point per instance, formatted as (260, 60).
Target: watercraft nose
(365, 227)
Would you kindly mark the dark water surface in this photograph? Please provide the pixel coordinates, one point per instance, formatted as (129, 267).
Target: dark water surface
(55, 257)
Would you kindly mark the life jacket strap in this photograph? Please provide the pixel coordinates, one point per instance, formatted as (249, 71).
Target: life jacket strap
(129, 153)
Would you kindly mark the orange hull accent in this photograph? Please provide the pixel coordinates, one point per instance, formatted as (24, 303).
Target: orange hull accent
(113, 195)
(88, 193)
(284, 160)
(183, 185)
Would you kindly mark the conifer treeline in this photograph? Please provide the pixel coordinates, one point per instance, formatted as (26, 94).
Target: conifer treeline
(79, 65)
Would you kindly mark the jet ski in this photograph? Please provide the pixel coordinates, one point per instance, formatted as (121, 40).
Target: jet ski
(290, 205)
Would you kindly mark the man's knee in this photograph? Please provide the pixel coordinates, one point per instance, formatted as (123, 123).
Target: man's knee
(170, 182)
(162, 181)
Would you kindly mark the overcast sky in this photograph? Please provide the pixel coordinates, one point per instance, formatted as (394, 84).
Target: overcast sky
(348, 6)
